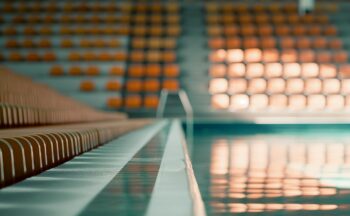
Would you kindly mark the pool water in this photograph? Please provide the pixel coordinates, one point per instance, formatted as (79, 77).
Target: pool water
(273, 170)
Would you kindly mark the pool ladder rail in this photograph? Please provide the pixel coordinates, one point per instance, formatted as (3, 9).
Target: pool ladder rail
(186, 104)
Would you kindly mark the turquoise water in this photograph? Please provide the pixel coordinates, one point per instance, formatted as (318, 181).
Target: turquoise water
(273, 170)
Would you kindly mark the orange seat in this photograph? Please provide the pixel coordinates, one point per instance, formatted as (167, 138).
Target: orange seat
(216, 43)
(278, 19)
(133, 101)
(323, 57)
(151, 101)
(87, 86)
(12, 44)
(171, 70)
(56, 70)
(270, 55)
(282, 30)
(116, 71)
(75, 71)
(299, 30)
(49, 56)
(230, 31)
(262, 19)
(344, 70)
(151, 85)
(307, 55)
(10, 31)
(114, 102)
(169, 56)
(45, 31)
(250, 42)
(330, 31)
(336, 44)
(228, 19)
(134, 85)
(120, 56)
(340, 57)
(315, 30)
(322, 19)
(104, 56)
(136, 70)
(30, 31)
(92, 71)
(44, 43)
(74, 56)
(114, 43)
(98, 43)
(265, 30)
(155, 43)
(303, 43)
(153, 70)
(113, 85)
(289, 55)
(287, 43)
(85, 43)
(320, 43)
(171, 84)
(89, 56)
(215, 31)
(32, 56)
(173, 31)
(138, 43)
(28, 43)
(268, 42)
(15, 56)
(169, 43)
(66, 43)
(248, 30)
(137, 56)
(233, 43)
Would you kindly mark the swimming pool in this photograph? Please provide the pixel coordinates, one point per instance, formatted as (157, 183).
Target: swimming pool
(273, 169)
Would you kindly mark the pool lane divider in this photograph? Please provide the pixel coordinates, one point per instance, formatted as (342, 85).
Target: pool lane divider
(69, 188)
(176, 191)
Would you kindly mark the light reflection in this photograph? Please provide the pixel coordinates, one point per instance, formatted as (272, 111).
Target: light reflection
(241, 171)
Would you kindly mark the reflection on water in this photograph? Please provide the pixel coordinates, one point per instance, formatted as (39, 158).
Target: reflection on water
(273, 174)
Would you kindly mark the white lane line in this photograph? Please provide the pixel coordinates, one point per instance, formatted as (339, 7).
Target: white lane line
(68, 188)
(176, 191)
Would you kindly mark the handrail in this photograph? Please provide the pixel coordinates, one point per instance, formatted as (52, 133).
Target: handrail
(186, 104)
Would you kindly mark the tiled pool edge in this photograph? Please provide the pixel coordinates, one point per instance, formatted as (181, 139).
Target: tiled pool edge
(176, 191)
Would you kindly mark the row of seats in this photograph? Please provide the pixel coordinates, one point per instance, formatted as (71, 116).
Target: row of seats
(134, 70)
(133, 101)
(64, 43)
(26, 103)
(277, 19)
(288, 86)
(153, 43)
(268, 30)
(70, 7)
(281, 102)
(168, 56)
(286, 42)
(30, 151)
(72, 56)
(58, 70)
(139, 30)
(273, 70)
(98, 19)
(274, 55)
(275, 7)
(30, 56)
(133, 85)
